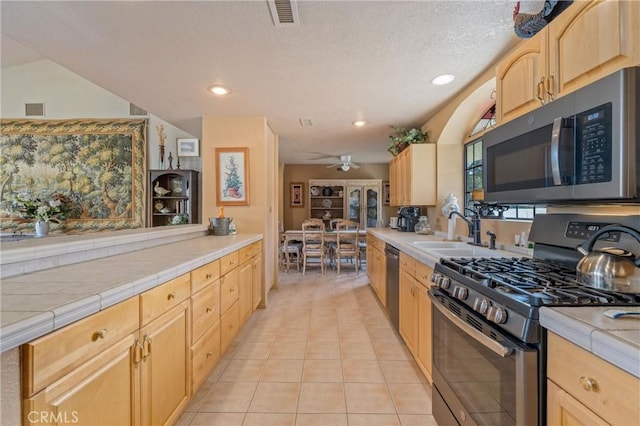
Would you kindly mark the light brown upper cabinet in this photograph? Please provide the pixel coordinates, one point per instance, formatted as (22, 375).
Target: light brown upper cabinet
(586, 42)
(412, 176)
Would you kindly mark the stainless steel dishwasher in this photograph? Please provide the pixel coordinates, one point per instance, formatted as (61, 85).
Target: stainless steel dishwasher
(393, 284)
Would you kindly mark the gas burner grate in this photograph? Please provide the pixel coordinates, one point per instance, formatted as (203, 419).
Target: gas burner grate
(535, 282)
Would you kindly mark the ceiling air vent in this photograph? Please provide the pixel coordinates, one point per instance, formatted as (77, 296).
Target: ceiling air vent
(283, 12)
(34, 110)
(136, 110)
(306, 122)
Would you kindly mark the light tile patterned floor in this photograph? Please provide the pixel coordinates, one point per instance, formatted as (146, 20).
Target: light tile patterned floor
(323, 353)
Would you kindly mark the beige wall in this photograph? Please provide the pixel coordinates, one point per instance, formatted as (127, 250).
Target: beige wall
(292, 218)
(261, 214)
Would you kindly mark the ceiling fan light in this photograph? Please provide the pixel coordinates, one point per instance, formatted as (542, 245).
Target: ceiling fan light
(219, 90)
(441, 80)
(345, 167)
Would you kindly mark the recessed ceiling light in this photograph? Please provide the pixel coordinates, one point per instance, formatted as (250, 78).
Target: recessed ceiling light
(359, 123)
(442, 79)
(219, 90)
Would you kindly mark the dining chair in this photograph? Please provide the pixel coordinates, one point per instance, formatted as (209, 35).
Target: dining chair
(331, 245)
(288, 250)
(347, 247)
(313, 243)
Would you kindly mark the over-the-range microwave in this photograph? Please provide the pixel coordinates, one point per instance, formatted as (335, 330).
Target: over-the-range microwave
(582, 147)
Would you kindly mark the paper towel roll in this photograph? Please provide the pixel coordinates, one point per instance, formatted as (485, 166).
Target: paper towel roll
(451, 230)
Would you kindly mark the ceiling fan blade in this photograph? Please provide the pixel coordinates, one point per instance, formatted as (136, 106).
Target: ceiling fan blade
(334, 165)
(354, 165)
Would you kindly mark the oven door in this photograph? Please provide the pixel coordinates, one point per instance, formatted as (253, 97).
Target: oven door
(480, 376)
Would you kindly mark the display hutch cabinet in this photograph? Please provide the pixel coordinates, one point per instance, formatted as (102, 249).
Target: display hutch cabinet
(172, 197)
(359, 200)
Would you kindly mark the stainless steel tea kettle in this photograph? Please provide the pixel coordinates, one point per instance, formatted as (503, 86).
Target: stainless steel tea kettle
(609, 268)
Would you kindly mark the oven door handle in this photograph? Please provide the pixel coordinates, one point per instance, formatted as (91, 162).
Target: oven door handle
(485, 341)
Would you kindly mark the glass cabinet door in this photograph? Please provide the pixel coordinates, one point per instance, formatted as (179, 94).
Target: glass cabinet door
(354, 204)
(372, 201)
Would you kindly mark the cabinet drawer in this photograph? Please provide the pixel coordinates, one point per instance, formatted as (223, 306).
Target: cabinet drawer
(228, 290)
(616, 397)
(157, 301)
(423, 274)
(228, 262)
(56, 354)
(204, 275)
(246, 253)
(205, 310)
(408, 263)
(205, 354)
(229, 325)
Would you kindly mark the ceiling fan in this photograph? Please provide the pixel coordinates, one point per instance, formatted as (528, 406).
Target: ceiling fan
(345, 163)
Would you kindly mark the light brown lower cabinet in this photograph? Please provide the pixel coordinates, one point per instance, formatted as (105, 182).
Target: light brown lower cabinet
(139, 362)
(102, 391)
(165, 384)
(584, 389)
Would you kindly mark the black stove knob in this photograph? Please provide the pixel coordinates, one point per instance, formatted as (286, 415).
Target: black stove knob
(481, 306)
(497, 315)
(460, 292)
(445, 283)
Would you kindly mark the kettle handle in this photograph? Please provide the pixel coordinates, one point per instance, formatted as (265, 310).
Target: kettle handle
(586, 247)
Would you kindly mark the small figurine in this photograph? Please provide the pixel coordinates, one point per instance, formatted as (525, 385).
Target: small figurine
(170, 161)
(160, 190)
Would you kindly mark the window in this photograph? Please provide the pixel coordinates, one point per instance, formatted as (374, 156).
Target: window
(473, 183)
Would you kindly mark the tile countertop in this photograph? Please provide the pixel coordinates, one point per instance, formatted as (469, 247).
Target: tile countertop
(37, 303)
(617, 341)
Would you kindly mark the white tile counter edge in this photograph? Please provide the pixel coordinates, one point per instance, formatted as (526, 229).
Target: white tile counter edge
(586, 334)
(32, 325)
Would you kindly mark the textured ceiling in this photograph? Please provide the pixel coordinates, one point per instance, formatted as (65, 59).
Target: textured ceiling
(346, 60)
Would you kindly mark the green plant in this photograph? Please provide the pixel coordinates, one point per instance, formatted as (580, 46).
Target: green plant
(405, 137)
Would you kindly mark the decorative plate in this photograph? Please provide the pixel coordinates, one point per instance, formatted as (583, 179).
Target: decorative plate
(315, 191)
(159, 205)
(327, 204)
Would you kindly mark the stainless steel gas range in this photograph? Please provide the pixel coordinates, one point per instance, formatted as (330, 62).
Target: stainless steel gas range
(488, 346)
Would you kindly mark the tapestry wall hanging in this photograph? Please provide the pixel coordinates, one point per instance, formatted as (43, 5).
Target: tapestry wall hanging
(98, 164)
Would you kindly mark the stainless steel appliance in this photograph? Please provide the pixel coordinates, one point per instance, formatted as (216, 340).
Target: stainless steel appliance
(488, 347)
(408, 216)
(393, 284)
(582, 146)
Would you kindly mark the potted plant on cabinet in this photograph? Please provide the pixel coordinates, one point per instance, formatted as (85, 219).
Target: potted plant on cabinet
(405, 137)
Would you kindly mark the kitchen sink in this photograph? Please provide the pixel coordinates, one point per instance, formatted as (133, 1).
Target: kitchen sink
(466, 251)
(428, 245)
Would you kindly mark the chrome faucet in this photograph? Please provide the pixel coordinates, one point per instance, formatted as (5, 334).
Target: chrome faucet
(473, 223)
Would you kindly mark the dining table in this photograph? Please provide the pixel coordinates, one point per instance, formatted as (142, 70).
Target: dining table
(295, 235)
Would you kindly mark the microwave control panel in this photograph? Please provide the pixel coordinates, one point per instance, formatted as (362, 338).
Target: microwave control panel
(584, 230)
(594, 145)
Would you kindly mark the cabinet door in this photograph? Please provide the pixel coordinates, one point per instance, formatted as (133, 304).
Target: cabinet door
(354, 203)
(165, 366)
(245, 285)
(257, 281)
(372, 206)
(520, 79)
(381, 276)
(564, 410)
(408, 311)
(591, 40)
(424, 332)
(101, 391)
(393, 183)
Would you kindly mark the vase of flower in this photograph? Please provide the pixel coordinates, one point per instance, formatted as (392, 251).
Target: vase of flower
(42, 228)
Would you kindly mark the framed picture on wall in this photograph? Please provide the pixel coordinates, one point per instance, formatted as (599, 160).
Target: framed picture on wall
(232, 170)
(188, 147)
(386, 193)
(296, 195)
